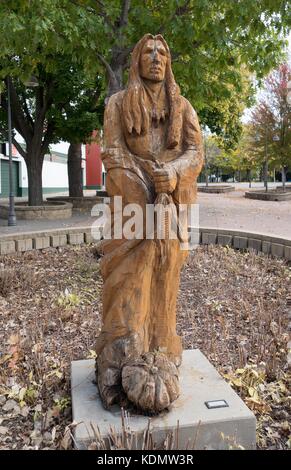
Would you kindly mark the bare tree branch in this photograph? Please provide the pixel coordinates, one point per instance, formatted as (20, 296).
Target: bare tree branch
(47, 138)
(123, 20)
(19, 148)
(48, 96)
(27, 112)
(17, 114)
(113, 83)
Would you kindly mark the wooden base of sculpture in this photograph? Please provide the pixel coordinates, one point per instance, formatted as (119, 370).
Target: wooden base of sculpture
(148, 381)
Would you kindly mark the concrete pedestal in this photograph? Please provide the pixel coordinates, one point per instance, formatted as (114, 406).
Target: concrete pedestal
(199, 426)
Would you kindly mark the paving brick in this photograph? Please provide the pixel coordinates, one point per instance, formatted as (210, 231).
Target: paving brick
(255, 244)
(240, 242)
(287, 253)
(39, 243)
(58, 240)
(204, 238)
(209, 238)
(224, 240)
(23, 245)
(75, 238)
(88, 237)
(266, 247)
(7, 247)
(277, 250)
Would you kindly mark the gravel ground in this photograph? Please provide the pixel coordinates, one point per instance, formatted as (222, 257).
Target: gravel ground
(233, 306)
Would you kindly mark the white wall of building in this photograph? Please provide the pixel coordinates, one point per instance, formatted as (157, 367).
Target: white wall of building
(54, 175)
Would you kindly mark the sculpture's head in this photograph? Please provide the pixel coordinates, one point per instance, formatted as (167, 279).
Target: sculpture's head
(151, 60)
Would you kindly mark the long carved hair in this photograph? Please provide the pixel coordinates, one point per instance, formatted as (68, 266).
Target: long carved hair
(135, 115)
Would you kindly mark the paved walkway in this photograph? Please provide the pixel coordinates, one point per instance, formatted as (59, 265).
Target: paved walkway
(230, 210)
(234, 211)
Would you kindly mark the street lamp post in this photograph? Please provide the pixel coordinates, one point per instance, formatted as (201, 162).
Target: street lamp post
(11, 213)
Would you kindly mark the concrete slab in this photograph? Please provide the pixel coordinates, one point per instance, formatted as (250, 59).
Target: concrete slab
(88, 237)
(75, 238)
(288, 253)
(255, 244)
(24, 245)
(58, 240)
(224, 240)
(209, 238)
(199, 427)
(7, 247)
(277, 250)
(240, 242)
(266, 247)
(40, 243)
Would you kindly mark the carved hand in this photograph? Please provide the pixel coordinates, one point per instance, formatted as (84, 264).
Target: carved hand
(165, 179)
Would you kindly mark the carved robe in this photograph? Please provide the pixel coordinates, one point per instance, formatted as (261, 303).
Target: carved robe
(141, 277)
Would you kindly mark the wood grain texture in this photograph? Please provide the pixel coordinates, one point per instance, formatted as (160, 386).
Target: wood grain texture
(153, 155)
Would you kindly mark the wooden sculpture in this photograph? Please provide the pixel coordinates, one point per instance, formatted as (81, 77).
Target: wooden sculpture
(153, 154)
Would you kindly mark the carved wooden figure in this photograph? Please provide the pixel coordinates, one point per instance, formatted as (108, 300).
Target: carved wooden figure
(153, 153)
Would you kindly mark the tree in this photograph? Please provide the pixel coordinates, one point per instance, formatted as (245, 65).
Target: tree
(46, 38)
(242, 158)
(211, 153)
(80, 116)
(271, 121)
(212, 43)
(58, 108)
(29, 118)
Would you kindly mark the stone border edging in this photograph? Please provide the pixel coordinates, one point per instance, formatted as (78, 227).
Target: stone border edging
(55, 210)
(80, 204)
(40, 240)
(269, 196)
(54, 238)
(215, 189)
(259, 242)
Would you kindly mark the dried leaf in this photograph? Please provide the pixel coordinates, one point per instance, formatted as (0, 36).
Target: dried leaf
(3, 430)
(67, 439)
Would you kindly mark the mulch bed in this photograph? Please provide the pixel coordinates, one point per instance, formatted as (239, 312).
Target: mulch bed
(233, 306)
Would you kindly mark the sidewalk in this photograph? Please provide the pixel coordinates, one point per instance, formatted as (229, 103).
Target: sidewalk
(78, 219)
(23, 226)
(230, 211)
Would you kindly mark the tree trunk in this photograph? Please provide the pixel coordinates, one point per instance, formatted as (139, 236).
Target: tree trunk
(118, 72)
(249, 173)
(206, 176)
(284, 178)
(75, 170)
(34, 164)
(115, 73)
(266, 174)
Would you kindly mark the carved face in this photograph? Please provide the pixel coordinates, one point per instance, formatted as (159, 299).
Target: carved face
(153, 61)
